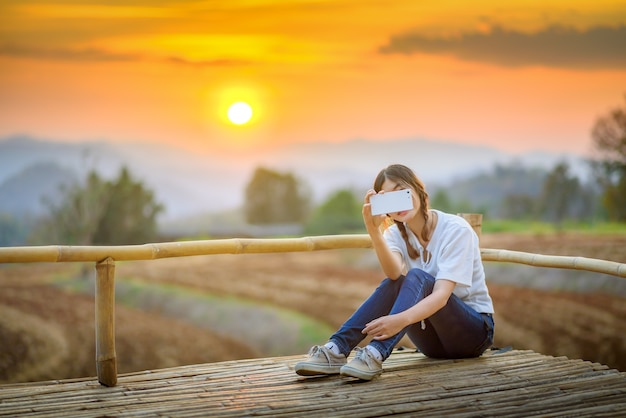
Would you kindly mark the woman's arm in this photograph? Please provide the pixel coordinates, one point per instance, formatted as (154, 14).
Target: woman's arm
(388, 326)
(390, 262)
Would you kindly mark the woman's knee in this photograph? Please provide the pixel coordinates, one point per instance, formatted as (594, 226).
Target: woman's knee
(419, 276)
(388, 284)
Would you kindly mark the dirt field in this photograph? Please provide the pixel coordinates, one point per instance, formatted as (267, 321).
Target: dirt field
(48, 333)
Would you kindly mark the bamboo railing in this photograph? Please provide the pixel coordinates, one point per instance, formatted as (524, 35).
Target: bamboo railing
(60, 253)
(105, 257)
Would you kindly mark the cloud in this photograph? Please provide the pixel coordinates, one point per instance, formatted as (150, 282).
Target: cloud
(599, 47)
(88, 54)
(209, 63)
(98, 55)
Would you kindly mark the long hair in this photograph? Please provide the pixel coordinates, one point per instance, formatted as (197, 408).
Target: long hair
(404, 176)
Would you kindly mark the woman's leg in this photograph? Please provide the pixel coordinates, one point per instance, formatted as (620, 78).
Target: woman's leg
(455, 331)
(378, 304)
(415, 286)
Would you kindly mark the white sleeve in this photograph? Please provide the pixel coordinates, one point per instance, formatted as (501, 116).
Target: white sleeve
(394, 239)
(396, 244)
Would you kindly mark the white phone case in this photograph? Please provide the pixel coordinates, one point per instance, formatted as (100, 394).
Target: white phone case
(391, 202)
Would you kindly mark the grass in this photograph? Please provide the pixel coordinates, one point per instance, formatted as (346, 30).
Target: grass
(271, 330)
(510, 226)
(536, 227)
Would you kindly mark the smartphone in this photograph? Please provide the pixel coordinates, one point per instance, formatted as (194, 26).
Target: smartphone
(391, 202)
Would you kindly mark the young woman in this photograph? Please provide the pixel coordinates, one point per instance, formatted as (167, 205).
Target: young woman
(435, 291)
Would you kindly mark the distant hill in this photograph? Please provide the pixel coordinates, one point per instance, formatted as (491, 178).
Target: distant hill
(24, 192)
(188, 183)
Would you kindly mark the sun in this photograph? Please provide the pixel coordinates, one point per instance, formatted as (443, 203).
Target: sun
(239, 113)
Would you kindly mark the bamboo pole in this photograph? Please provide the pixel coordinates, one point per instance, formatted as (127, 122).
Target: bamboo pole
(106, 363)
(269, 245)
(475, 220)
(59, 253)
(555, 261)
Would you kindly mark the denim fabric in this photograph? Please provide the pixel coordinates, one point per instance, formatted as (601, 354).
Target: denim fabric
(455, 331)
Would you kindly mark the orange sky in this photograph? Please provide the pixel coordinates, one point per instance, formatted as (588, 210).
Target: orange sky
(518, 75)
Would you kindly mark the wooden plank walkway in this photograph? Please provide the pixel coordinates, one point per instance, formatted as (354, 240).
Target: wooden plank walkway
(512, 383)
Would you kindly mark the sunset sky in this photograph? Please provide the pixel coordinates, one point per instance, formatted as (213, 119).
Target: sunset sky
(517, 75)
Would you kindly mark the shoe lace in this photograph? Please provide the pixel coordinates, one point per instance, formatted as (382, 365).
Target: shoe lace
(318, 351)
(363, 354)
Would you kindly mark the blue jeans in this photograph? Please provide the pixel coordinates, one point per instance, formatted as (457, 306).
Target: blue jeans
(455, 331)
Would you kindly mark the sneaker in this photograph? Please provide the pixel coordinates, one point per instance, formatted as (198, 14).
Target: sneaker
(363, 366)
(321, 361)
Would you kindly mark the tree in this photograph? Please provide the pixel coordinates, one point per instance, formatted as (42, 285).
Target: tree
(559, 195)
(272, 198)
(441, 200)
(609, 140)
(129, 215)
(341, 213)
(518, 206)
(101, 212)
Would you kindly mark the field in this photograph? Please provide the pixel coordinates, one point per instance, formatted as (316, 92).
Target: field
(47, 330)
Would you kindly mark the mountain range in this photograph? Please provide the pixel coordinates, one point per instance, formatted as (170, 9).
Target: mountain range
(188, 183)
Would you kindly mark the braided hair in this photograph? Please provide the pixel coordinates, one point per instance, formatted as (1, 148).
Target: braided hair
(404, 176)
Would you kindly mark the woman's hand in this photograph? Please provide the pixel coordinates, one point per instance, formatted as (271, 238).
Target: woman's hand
(385, 326)
(390, 262)
(372, 222)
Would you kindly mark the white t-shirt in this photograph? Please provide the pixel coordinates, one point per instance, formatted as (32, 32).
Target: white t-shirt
(454, 255)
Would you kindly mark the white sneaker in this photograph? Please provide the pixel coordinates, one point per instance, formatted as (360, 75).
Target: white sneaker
(321, 360)
(364, 365)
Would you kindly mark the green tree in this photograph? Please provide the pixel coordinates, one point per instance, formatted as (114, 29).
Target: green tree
(560, 195)
(101, 212)
(609, 140)
(130, 213)
(341, 213)
(518, 206)
(441, 200)
(273, 198)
